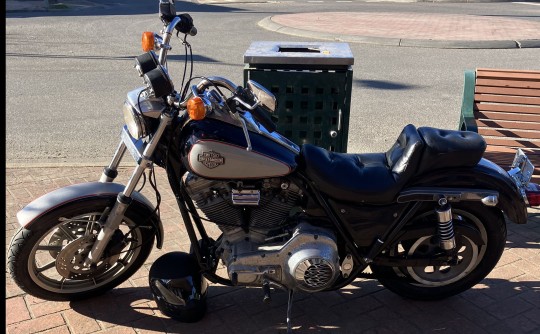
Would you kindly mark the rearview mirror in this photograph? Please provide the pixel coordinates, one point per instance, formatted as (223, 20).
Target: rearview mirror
(263, 95)
(167, 10)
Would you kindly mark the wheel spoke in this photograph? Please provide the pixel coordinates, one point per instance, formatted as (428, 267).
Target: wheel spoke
(56, 248)
(67, 232)
(46, 267)
(89, 228)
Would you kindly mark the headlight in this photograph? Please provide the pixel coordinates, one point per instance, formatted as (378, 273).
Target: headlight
(134, 121)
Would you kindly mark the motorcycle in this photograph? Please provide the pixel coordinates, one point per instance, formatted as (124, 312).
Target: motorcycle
(426, 218)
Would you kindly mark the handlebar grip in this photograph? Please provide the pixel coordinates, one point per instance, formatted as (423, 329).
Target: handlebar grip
(186, 25)
(264, 118)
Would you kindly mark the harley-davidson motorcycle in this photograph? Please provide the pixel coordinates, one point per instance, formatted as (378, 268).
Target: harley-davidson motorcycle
(426, 218)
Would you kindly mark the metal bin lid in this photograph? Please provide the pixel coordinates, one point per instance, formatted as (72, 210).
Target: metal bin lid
(299, 53)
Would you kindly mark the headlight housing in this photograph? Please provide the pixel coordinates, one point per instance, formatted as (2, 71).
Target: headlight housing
(134, 121)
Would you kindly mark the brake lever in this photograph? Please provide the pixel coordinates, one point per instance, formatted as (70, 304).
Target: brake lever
(246, 132)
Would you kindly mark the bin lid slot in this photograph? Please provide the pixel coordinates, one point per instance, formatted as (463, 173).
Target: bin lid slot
(299, 49)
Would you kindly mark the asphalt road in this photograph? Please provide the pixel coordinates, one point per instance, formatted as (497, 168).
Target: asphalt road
(67, 73)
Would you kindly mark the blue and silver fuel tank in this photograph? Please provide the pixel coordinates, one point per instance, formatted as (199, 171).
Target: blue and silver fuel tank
(215, 149)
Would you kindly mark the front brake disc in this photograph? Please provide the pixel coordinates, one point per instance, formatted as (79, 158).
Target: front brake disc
(70, 260)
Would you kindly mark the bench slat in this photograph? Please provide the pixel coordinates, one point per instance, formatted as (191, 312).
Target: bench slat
(530, 152)
(501, 132)
(511, 108)
(512, 143)
(508, 83)
(508, 125)
(506, 160)
(520, 75)
(482, 69)
(506, 117)
(507, 91)
(507, 99)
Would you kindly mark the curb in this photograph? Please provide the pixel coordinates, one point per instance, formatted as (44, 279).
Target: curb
(268, 24)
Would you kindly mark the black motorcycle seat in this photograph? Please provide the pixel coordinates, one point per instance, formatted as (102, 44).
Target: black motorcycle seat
(373, 178)
(450, 148)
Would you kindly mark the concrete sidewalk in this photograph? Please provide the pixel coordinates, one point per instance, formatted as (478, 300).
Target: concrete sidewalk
(507, 301)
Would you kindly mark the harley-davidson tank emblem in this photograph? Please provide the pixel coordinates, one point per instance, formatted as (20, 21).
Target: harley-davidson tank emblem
(211, 159)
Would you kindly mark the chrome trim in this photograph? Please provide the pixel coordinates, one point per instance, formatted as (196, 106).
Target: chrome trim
(347, 266)
(144, 104)
(134, 146)
(117, 157)
(246, 197)
(165, 47)
(246, 133)
(275, 136)
(432, 194)
(521, 169)
(263, 95)
(521, 173)
(490, 201)
(218, 81)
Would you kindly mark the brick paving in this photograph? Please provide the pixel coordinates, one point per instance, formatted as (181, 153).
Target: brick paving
(432, 26)
(507, 301)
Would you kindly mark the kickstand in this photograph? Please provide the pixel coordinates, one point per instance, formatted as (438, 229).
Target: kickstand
(289, 307)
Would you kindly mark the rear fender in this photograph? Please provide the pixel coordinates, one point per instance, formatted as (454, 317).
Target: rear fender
(31, 213)
(485, 175)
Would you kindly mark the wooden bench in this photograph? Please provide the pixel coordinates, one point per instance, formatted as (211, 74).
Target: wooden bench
(504, 107)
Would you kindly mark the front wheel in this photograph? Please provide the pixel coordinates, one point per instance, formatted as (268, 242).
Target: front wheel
(46, 260)
(477, 254)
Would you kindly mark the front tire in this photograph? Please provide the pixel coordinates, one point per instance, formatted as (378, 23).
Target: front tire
(476, 260)
(46, 259)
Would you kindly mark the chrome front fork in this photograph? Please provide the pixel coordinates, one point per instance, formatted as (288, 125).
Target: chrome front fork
(123, 199)
(110, 172)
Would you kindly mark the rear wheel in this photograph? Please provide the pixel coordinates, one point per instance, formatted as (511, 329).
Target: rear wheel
(46, 260)
(480, 242)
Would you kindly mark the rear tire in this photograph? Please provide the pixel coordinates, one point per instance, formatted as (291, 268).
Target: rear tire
(45, 260)
(476, 260)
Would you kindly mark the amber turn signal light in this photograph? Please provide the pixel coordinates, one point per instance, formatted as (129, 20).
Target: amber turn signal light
(147, 41)
(196, 109)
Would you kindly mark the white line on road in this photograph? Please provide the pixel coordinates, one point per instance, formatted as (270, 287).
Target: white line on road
(528, 3)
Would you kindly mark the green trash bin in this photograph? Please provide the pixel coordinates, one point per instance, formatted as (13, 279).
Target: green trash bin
(312, 82)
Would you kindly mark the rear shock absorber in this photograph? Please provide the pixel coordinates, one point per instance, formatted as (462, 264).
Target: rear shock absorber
(445, 226)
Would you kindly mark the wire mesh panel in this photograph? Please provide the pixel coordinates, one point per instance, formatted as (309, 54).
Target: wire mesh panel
(312, 84)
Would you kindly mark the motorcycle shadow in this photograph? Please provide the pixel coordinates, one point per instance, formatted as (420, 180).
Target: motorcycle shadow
(362, 307)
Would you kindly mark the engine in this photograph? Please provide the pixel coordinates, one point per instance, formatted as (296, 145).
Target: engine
(260, 244)
(262, 205)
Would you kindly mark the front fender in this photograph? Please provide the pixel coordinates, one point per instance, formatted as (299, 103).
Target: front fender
(485, 175)
(31, 213)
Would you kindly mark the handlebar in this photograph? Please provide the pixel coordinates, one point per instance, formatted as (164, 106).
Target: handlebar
(172, 22)
(167, 34)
